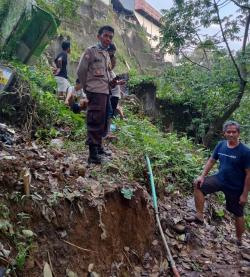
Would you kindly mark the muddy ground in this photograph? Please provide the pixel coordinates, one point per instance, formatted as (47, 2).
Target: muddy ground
(78, 219)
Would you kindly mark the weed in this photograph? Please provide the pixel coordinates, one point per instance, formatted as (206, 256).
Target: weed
(4, 211)
(53, 118)
(247, 215)
(220, 197)
(21, 255)
(174, 159)
(220, 213)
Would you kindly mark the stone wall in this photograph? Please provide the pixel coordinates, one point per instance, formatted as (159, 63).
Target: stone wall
(133, 49)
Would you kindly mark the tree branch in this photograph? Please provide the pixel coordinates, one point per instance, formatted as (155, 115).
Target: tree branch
(226, 42)
(244, 43)
(193, 62)
(240, 6)
(204, 51)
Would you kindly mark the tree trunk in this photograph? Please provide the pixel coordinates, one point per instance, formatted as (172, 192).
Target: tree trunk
(215, 127)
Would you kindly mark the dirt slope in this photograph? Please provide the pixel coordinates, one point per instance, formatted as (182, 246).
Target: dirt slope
(79, 218)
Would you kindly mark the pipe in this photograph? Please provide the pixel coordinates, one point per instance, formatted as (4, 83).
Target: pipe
(169, 255)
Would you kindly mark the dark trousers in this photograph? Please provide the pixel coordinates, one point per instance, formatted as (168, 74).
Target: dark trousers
(114, 103)
(96, 117)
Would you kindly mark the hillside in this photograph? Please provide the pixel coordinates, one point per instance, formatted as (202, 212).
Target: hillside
(134, 51)
(78, 217)
(60, 216)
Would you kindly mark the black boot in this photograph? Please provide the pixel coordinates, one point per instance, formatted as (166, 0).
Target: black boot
(102, 151)
(93, 155)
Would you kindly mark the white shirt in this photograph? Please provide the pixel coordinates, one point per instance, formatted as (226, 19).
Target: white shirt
(116, 91)
(78, 94)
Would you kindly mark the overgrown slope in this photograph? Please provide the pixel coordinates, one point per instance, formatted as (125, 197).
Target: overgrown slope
(79, 217)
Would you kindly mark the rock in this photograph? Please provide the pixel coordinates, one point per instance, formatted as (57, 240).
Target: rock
(71, 195)
(182, 237)
(91, 273)
(96, 190)
(4, 252)
(8, 158)
(164, 266)
(155, 242)
(169, 234)
(186, 266)
(81, 171)
(58, 143)
(72, 169)
(28, 233)
(245, 256)
(47, 271)
(137, 271)
(62, 234)
(112, 169)
(56, 153)
(80, 181)
(177, 219)
(70, 273)
(179, 228)
(91, 267)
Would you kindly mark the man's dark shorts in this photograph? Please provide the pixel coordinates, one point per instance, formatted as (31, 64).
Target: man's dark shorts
(212, 185)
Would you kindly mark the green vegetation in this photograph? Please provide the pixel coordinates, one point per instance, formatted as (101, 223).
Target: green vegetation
(21, 255)
(52, 117)
(61, 8)
(176, 162)
(4, 7)
(75, 50)
(17, 235)
(186, 26)
(207, 93)
(136, 81)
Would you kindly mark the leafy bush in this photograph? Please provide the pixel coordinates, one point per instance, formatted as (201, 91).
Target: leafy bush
(206, 92)
(52, 116)
(61, 8)
(4, 7)
(136, 81)
(175, 160)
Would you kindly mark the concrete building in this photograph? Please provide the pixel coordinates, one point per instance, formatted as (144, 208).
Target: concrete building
(107, 2)
(142, 13)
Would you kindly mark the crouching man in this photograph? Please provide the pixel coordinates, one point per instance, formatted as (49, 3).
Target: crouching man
(233, 177)
(76, 98)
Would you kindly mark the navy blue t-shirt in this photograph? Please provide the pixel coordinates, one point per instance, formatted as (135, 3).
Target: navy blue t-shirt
(233, 162)
(64, 57)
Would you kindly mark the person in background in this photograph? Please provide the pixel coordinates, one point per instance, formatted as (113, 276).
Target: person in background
(76, 99)
(60, 70)
(233, 178)
(115, 91)
(94, 75)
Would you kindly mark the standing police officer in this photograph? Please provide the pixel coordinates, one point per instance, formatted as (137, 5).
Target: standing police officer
(94, 74)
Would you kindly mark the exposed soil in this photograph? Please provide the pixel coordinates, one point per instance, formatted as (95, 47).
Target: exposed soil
(122, 226)
(81, 219)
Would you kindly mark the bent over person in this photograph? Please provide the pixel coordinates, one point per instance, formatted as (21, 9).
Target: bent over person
(94, 75)
(233, 177)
